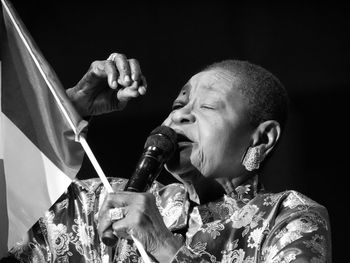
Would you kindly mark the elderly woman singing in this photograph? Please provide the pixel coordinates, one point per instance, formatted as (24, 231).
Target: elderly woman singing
(228, 119)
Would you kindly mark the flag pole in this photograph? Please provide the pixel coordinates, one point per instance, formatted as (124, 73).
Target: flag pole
(81, 137)
(95, 163)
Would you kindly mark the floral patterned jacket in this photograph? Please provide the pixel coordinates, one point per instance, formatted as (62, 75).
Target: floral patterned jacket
(247, 226)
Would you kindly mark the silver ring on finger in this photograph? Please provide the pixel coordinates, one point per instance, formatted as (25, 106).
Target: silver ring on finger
(116, 214)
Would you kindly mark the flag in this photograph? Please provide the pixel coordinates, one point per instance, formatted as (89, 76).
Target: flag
(39, 127)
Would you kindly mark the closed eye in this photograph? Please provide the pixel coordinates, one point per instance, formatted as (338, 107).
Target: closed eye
(209, 107)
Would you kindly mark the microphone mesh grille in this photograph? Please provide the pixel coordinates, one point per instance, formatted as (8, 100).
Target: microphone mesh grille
(164, 138)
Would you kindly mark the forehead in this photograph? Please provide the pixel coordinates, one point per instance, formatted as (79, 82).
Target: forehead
(214, 82)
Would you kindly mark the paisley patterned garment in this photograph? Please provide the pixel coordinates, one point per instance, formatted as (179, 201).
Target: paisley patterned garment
(248, 225)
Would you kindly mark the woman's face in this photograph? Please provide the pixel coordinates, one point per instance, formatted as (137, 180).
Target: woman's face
(210, 117)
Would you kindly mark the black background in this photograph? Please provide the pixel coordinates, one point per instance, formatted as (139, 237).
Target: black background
(305, 45)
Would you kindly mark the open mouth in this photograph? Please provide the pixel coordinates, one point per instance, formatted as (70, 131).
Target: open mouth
(183, 140)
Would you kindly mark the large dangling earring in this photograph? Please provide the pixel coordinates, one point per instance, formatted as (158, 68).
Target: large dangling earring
(252, 159)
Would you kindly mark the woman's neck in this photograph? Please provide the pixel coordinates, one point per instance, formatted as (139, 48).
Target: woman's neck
(203, 190)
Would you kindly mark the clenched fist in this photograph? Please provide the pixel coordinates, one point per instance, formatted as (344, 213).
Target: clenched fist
(108, 86)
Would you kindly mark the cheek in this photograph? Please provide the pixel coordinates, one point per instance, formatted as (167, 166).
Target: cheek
(235, 148)
(218, 152)
(205, 154)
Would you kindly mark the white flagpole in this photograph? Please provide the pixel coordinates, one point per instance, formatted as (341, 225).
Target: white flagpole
(82, 139)
(95, 163)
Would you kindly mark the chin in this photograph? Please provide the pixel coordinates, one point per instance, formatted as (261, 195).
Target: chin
(180, 172)
(177, 169)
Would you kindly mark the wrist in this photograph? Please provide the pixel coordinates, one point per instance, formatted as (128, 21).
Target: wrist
(77, 101)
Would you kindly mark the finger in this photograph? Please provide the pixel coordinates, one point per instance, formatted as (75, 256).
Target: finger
(133, 86)
(116, 199)
(123, 67)
(112, 74)
(104, 223)
(108, 238)
(126, 94)
(121, 229)
(142, 90)
(135, 70)
(104, 220)
(97, 69)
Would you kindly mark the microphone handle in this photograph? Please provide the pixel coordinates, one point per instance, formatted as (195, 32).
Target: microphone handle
(147, 170)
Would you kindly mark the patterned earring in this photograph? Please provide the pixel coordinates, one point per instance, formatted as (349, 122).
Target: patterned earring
(252, 159)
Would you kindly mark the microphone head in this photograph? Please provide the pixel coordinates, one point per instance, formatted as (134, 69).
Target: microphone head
(163, 138)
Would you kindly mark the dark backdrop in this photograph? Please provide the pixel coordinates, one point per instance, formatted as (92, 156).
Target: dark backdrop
(306, 46)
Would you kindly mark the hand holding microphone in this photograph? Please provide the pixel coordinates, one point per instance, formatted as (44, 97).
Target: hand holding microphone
(122, 207)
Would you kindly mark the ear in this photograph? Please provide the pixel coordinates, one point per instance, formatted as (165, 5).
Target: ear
(266, 136)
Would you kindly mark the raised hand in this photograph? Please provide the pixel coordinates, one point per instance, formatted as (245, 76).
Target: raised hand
(108, 85)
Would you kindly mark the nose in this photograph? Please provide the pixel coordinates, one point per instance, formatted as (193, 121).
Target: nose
(183, 115)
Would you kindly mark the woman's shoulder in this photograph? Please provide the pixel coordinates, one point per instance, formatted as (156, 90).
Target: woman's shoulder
(294, 198)
(293, 204)
(290, 199)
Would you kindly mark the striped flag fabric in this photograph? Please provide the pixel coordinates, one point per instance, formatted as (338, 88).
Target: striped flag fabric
(39, 129)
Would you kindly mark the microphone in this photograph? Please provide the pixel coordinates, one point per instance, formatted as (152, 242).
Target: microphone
(159, 147)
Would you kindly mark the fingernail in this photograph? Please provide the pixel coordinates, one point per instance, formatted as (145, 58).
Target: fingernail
(114, 84)
(133, 77)
(126, 78)
(142, 90)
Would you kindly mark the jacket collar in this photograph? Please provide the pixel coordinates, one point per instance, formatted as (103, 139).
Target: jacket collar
(230, 202)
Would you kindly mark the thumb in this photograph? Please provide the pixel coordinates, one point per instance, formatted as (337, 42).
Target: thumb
(96, 73)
